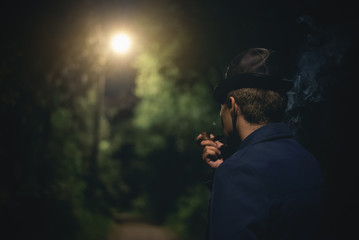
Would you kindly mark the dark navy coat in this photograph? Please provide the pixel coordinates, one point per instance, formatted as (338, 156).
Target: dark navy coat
(270, 188)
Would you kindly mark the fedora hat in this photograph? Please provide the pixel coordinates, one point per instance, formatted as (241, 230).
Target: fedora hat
(253, 68)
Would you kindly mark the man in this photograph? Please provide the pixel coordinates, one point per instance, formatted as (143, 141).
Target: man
(270, 187)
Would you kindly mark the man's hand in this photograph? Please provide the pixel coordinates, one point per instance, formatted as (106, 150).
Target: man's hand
(211, 153)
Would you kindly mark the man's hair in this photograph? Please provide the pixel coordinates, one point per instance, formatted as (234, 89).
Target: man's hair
(260, 106)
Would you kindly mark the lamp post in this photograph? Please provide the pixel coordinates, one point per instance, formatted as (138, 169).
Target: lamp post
(120, 44)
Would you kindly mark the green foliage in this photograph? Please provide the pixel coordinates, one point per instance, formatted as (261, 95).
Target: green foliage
(147, 160)
(48, 110)
(175, 105)
(190, 218)
(170, 105)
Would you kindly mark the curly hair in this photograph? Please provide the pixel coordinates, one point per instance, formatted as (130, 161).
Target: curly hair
(260, 106)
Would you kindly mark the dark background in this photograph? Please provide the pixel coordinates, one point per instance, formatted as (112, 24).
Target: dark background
(157, 99)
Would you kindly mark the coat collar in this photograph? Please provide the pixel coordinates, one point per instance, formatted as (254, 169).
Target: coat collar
(266, 133)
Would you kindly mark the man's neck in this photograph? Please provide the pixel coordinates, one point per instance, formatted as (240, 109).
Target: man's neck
(245, 128)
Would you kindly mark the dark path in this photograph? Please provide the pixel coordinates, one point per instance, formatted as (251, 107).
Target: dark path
(129, 228)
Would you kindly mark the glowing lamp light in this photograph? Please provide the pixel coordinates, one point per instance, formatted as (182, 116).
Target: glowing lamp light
(121, 43)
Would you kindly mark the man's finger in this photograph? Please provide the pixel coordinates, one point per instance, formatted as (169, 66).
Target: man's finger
(212, 149)
(209, 155)
(219, 144)
(208, 143)
(215, 164)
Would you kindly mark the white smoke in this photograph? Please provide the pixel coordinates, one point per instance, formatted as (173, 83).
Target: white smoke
(318, 66)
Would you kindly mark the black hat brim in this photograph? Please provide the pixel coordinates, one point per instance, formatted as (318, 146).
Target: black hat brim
(250, 81)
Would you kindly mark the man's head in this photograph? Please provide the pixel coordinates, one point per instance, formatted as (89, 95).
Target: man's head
(256, 107)
(253, 92)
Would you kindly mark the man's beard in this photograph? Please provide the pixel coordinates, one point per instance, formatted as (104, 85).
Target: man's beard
(232, 139)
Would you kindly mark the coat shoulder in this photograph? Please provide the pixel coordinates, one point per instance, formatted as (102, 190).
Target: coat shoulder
(283, 165)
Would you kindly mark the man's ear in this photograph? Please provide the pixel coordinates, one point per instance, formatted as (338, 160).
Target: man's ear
(231, 104)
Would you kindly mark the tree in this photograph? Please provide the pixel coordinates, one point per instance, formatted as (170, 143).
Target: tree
(47, 111)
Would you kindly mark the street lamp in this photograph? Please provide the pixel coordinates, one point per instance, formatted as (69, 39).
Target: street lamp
(121, 43)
